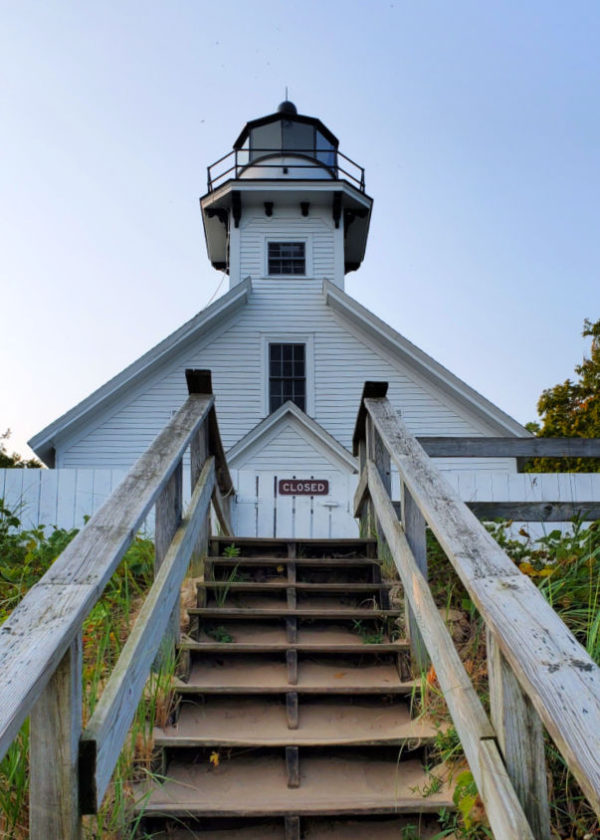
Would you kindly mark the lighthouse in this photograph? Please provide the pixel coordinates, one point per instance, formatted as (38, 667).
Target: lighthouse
(286, 216)
(286, 202)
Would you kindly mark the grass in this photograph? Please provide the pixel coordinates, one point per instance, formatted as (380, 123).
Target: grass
(25, 556)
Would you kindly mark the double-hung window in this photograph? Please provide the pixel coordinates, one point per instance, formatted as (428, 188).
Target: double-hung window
(286, 258)
(287, 375)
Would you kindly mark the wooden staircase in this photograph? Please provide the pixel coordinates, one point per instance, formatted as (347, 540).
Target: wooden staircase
(294, 719)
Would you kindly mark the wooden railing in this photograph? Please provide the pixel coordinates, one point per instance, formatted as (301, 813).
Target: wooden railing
(40, 643)
(539, 675)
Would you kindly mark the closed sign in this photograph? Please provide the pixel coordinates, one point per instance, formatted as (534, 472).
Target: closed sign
(303, 487)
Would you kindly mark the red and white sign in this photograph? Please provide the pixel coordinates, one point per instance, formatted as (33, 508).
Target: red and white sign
(303, 487)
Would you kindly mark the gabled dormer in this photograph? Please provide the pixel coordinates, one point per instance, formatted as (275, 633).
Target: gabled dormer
(286, 202)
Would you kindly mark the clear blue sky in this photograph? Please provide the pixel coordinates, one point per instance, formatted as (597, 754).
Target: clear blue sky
(477, 122)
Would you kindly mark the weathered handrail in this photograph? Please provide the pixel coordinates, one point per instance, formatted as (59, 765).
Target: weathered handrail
(105, 733)
(510, 447)
(538, 670)
(40, 642)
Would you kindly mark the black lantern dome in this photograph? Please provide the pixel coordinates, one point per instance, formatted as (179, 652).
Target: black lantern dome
(287, 107)
(286, 132)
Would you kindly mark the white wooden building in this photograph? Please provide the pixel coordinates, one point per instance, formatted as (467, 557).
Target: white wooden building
(286, 215)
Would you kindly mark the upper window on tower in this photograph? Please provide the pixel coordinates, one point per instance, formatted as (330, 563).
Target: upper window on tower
(287, 258)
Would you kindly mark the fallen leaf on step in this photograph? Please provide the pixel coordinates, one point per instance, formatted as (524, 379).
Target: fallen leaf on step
(214, 759)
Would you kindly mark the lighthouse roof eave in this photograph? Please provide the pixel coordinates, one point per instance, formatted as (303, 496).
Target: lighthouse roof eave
(421, 363)
(43, 443)
(213, 204)
(281, 115)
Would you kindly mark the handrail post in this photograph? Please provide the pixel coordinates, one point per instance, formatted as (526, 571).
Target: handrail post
(169, 510)
(520, 738)
(199, 451)
(366, 511)
(53, 758)
(416, 535)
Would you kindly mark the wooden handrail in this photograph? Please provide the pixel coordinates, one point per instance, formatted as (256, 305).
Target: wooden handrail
(510, 447)
(103, 737)
(554, 672)
(471, 722)
(35, 637)
(40, 642)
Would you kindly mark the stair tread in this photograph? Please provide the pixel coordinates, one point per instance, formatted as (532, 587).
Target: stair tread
(284, 542)
(242, 722)
(261, 612)
(265, 677)
(357, 647)
(318, 829)
(308, 637)
(257, 786)
(276, 600)
(272, 832)
(250, 585)
(260, 560)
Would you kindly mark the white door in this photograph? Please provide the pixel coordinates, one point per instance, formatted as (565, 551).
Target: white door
(298, 504)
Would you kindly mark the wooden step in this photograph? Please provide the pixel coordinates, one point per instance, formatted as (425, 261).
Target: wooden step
(273, 636)
(254, 675)
(255, 786)
(305, 544)
(315, 828)
(277, 600)
(359, 648)
(242, 722)
(325, 562)
(323, 614)
(277, 585)
(318, 828)
(260, 832)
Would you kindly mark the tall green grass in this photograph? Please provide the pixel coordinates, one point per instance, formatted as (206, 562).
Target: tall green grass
(25, 555)
(566, 569)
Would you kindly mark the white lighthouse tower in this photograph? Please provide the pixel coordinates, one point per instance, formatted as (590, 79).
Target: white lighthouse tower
(286, 202)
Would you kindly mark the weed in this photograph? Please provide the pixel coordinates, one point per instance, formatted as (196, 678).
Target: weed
(221, 592)
(369, 637)
(231, 551)
(219, 634)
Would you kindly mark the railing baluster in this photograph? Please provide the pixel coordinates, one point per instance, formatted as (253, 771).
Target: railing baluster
(54, 743)
(521, 739)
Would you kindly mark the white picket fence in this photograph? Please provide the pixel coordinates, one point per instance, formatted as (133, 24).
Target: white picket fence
(64, 497)
(61, 498)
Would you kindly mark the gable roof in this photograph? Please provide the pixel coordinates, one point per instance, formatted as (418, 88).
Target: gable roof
(42, 443)
(430, 370)
(316, 434)
(357, 316)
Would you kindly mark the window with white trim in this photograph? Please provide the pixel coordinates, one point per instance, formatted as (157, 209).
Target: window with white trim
(286, 258)
(287, 375)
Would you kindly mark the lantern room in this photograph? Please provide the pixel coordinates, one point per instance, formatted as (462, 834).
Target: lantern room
(286, 166)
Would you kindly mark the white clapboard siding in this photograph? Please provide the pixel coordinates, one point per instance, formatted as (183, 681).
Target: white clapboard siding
(343, 360)
(283, 449)
(317, 229)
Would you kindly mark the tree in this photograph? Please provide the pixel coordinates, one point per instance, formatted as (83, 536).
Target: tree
(14, 460)
(572, 409)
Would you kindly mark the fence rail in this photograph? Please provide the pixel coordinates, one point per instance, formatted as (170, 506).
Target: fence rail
(538, 671)
(40, 642)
